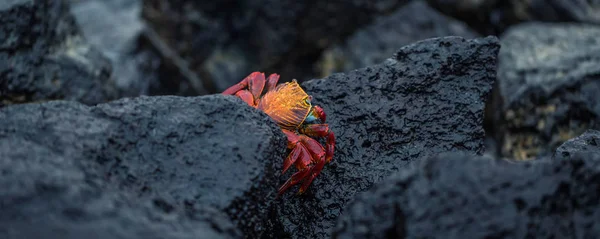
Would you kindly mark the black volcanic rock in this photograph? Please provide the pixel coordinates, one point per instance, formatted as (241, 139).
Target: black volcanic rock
(376, 42)
(44, 57)
(549, 81)
(464, 196)
(146, 167)
(429, 98)
(283, 36)
(587, 142)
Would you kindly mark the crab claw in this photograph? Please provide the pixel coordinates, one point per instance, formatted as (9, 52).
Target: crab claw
(249, 89)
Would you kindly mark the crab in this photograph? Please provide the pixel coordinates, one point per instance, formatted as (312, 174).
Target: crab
(303, 124)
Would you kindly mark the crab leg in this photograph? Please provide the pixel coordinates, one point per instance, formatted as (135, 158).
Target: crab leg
(321, 130)
(255, 82)
(272, 81)
(314, 172)
(296, 177)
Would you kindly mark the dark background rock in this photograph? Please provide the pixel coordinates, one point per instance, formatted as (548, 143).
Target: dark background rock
(548, 83)
(496, 16)
(428, 98)
(286, 37)
(142, 63)
(587, 142)
(186, 158)
(374, 43)
(43, 56)
(465, 196)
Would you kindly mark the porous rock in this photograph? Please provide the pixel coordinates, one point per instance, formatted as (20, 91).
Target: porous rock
(47, 195)
(548, 82)
(586, 142)
(460, 195)
(44, 57)
(376, 42)
(428, 98)
(203, 164)
(283, 36)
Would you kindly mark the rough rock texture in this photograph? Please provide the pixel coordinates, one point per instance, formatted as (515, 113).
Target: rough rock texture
(190, 159)
(587, 142)
(283, 36)
(428, 98)
(549, 80)
(374, 43)
(47, 195)
(464, 196)
(43, 56)
(495, 16)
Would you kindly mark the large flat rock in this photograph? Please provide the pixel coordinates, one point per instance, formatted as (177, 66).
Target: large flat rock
(148, 167)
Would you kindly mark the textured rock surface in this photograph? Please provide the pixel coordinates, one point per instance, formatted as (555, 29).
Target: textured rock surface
(587, 142)
(388, 115)
(184, 157)
(47, 195)
(283, 36)
(494, 17)
(548, 79)
(464, 196)
(43, 56)
(376, 42)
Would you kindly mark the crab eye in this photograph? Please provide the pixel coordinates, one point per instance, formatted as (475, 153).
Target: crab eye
(307, 100)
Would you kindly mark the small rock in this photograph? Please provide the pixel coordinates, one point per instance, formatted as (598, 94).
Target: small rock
(588, 141)
(374, 43)
(428, 98)
(177, 155)
(464, 196)
(548, 79)
(44, 57)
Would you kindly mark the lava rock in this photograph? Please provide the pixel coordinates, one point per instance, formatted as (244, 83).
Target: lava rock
(283, 36)
(587, 142)
(548, 79)
(47, 195)
(44, 57)
(212, 159)
(374, 43)
(429, 98)
(460, 195)
(494, 17)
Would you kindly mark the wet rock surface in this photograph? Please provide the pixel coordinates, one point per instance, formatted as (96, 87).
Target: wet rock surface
(388, 115)
(376, 42)
(43, 56)
(460, 195)
(149, 167)
(548, 82)
(257, 35)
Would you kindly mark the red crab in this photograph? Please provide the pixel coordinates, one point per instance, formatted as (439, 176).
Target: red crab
(290, 107)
